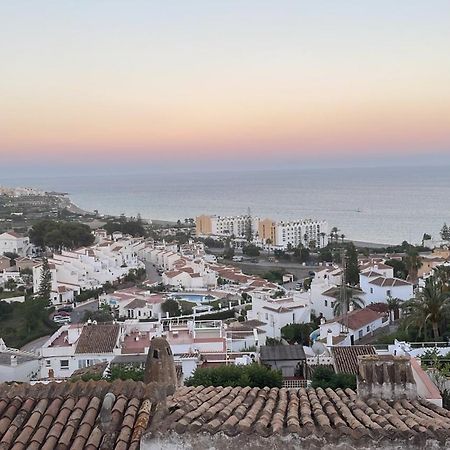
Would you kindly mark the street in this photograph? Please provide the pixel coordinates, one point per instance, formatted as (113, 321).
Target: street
(152, 274)
(33, 346)
(77, 315)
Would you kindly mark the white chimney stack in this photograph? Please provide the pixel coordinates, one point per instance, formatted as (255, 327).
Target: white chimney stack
(329, 338)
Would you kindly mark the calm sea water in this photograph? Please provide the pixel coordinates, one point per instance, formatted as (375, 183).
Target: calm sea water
(385, 205)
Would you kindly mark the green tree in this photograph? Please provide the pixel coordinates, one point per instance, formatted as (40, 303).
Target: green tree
(394, 306)
(171, 306)
(445, 233)
(351, 266)
(430, 308)
(297, 333)
(413, 262)
(400, 269)
(253, 375)
(324, 377)
(10, 284)
(60, 234)
(301, 253)
(45, 283)
(251, 250)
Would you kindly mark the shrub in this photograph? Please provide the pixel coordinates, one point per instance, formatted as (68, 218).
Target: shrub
(252, 375)
(325, 377)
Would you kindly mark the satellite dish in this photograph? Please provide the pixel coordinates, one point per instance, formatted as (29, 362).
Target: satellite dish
(318, 348)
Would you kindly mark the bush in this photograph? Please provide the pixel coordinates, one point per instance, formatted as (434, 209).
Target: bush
(324, 377)
(222, 315)
(252, 375)
(251, 250)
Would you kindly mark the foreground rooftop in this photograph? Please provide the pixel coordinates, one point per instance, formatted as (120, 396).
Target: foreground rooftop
(124, 415)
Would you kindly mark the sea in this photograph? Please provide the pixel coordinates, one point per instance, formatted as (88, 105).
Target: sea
(379, 205)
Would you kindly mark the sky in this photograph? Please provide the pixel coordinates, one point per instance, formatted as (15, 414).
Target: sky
(178, 83)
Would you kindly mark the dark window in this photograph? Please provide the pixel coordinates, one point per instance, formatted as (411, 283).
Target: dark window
(155, 354)
(169, 352)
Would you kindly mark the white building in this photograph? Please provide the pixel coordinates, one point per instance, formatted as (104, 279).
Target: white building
(78, 346)
(278, 312)
(12, 242)
(16, 365)
(379, 288)
(347, 330)
(89, 268)
(134, 303)
(304, 232)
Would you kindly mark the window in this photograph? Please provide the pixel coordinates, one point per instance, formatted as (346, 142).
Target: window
(388, 292)
(371, 290)
(155, 354)
(360, 334)
(64, 364)
(368, 328)
(48, 363)
(169, 352)
(326, 303)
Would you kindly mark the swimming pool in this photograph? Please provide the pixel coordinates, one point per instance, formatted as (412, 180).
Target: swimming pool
(195, 298)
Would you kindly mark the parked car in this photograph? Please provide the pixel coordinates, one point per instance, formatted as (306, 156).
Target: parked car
(61, 319)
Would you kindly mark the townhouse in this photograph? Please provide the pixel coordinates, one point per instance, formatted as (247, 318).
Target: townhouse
(89, 268)
(12, 242)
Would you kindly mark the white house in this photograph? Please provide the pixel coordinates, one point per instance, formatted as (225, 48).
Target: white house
(347, 330)
(16, 365)
(379, 288)
(89, 268)
(12, 242)
(278, 312)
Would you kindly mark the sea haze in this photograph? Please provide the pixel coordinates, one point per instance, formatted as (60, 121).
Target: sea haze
(385, 205)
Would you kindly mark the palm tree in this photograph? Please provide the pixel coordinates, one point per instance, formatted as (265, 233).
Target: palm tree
(343, 303)
(394, 305)
(442, 275)
(430, 307)
(413, 263)
(334, 233)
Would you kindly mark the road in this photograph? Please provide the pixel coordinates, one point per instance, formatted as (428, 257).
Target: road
(77, 315)
(33, 346)
(152, 274)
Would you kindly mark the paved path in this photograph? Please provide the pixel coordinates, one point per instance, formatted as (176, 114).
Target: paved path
(77, 314)
(152, 274)
(33, 346)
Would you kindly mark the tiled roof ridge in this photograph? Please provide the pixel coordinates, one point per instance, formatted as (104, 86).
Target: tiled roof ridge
(84, 415)
(305, 412)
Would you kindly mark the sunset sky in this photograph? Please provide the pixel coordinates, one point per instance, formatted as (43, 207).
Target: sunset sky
(262, 81)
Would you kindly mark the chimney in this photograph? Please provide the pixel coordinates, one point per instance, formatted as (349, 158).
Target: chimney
(329, 338)
(386, 377)
(160, 366)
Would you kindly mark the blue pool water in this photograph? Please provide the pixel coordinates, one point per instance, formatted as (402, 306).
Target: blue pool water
(197, 298)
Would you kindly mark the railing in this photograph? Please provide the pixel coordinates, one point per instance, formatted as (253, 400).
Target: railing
(428, 344)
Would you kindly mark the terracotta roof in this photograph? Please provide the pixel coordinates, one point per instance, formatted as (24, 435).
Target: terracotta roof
(346, 357)
(69, 415)
(13, 234)
(358, 318)
(100, 338)
(326, 415)
(136, 303)
(76, 415)
(389, 282)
